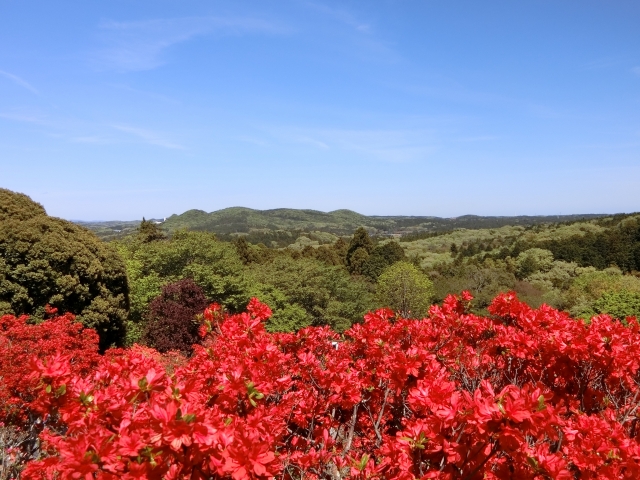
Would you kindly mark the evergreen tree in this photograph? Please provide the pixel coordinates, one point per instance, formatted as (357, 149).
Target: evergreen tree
(46, 260)
(243, 249)
(149, 231)
(382, 257)
(360, 247)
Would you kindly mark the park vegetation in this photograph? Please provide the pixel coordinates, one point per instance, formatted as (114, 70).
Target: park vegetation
(154, 358)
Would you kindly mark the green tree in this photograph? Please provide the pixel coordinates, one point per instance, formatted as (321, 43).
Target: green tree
(359, 261)
(532, 261)
(381, 257)
(592, 285)
(405, 289)
(149, 231)
(619, 305)
(484, 283)
(244, 250)
(360, 247)
(46, 260)
(213, 265)
(18, 206)
(341, 248)
(327, 294)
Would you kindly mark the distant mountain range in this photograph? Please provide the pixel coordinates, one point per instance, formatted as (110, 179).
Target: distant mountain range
(240, 220)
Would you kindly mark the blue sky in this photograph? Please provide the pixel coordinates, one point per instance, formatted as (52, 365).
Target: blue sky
(123, 109)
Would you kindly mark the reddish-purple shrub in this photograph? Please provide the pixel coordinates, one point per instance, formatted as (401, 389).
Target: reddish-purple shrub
(171, 323)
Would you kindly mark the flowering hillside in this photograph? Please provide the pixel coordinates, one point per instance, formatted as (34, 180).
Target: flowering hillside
(527, 394)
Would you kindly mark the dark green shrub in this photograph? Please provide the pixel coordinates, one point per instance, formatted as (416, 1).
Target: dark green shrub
(46, 260)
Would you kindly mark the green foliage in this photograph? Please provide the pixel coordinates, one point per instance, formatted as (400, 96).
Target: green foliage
(244, 250)
(592, 285)
(319, 278)
(358, 261)
(619, 305)
(246, 220)
(288, 318)
(560, 275)
(18, 207)
(532, 261)
(113, 229)
(484, 281)
(213, 265)
(270, 225)
(405, 289)
(617, 245)
(327, 294)
(45, 260)
(360, 239)
(360, 247)
(381, 257)
(149, 231)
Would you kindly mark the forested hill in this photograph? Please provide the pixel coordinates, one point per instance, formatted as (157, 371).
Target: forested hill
(341, 222)
(284, 222)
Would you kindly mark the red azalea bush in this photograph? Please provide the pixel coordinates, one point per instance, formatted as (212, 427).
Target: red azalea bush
(527, 394)
(59, 339)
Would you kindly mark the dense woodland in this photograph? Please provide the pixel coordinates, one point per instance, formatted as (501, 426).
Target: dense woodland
(282, 226)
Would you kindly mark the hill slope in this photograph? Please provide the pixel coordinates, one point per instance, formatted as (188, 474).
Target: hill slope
(267, 225)
(341, 222)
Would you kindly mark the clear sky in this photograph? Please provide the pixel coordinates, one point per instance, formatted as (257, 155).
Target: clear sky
(119, 109)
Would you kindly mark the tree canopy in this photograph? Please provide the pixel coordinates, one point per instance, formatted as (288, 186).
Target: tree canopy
(18, 206)
(171, 323)
(405, 289)
(46, 260)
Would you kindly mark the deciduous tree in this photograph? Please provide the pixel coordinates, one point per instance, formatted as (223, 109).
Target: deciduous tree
(171, 322)
(405, 289)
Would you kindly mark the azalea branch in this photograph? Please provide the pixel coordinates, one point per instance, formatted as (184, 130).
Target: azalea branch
(471, 474)
(352, 427)
(633, 410)
(376, 423)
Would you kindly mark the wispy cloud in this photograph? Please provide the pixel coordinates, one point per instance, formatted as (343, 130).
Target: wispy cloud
(131, 46)
(358, 39)
(313, 142)
(605, 62)
(79, 131)
(24, 117)
(149, 136)
(91, 139)
(479, 138)
(19, 81)
(342, 16)
(396, 146)
(636, 70)
(145, 93)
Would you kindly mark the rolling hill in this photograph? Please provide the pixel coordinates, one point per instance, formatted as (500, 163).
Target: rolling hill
(271, 223)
